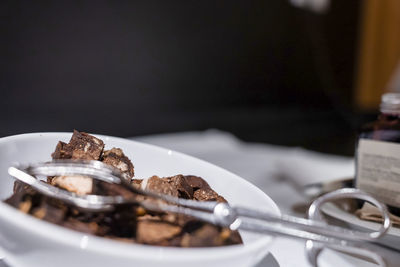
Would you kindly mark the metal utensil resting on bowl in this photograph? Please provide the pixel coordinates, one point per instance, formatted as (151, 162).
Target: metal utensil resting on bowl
(315, 230)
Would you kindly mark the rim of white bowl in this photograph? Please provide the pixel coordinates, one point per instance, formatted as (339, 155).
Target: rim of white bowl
(73, 238)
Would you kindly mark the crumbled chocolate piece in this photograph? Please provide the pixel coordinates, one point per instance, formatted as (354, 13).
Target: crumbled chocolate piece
(27, 200)
(197, 182)
(122, 221)
(26, 205)
(183, 187)
(207, 195)
(63, 151)
(221, 199)
(81, 146)
(137, 182)
(23, 193)
(207, 235)
(21, 188)
(155, 232)
(90, 228)
(85, 146)
(49, 212)
(175, 218)
(162, 186)
(116, 158)
(234, 237)
(107, 189)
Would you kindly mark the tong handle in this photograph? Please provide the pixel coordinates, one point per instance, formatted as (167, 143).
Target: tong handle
(313, 249)
(251, 219)
(314, 212)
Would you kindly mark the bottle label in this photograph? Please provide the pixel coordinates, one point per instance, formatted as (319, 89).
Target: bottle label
(378, 170)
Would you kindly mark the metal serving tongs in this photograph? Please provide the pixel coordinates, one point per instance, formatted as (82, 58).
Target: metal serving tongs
(315, 230)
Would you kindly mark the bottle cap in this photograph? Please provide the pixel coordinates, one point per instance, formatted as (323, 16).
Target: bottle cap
(390, 103)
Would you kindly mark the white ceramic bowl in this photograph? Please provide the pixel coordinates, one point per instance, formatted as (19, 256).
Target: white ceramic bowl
(28, 241)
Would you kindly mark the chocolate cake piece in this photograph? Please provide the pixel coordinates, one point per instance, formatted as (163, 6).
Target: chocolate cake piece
(180, 183)
(137, 182)
(116, 158)
(107, 189)
(121, 222)
(27, 200)
(151, 230)
(85, 146)
(21, 201)
(74, 224)
(197, 182)
(22, 197)
(202, 190)
(174, 186)
(200, 234)
(207, 195)
(159, 185)
(50, 211)
(63, 151)
(205, 236)
(176, 218)
(81, 146)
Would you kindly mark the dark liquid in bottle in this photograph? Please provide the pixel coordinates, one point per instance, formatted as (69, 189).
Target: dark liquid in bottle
(386, 128)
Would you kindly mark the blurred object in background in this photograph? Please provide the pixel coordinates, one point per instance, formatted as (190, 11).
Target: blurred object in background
(379, 52)
(318, 6)
(394, 82)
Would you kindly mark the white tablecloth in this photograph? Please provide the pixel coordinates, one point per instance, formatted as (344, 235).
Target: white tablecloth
(279, 171)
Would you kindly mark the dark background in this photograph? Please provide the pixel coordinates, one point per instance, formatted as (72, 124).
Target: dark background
(264, 70)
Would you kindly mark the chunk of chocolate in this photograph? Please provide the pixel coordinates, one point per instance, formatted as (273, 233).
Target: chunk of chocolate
(206, 236)
(197, 182)
(207, 195)
(90, 228)
(22, 193)
(85, 146)
(176, 218)
(159, 185)
(63, 151)
(107, 189)
(123, 221)
(116, 158)
(81, 146)
(155, 232)
(181, 184)
(20, 187)
(49, 212)
(137, 182)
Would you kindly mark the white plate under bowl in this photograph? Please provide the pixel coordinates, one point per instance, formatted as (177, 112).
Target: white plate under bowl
(28, 241)
(391, 239)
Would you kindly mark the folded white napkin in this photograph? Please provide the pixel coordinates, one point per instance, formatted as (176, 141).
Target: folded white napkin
(304, 167)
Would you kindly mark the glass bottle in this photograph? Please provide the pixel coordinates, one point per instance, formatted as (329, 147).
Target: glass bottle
(378, 154)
